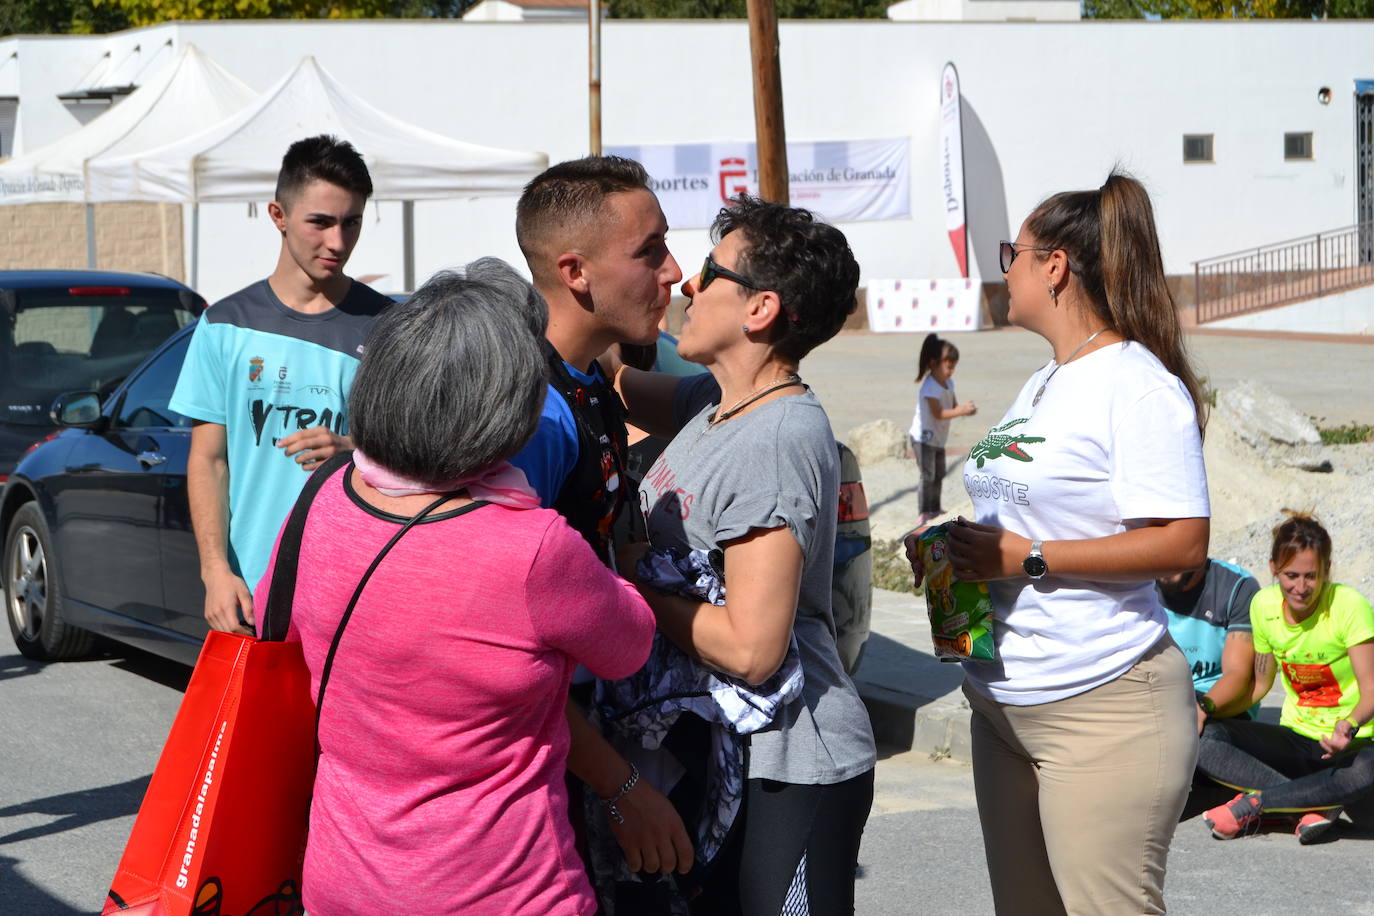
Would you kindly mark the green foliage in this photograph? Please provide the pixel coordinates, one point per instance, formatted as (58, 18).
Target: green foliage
(891, 570)
(1228, 9)
(49, 17)
(1209, 394)
(736, 9)
(1345, 434)
(40, 17)
(1113, 9)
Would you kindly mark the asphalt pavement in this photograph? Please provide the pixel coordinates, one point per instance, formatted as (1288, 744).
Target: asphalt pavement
(81, 738)
(78, 743)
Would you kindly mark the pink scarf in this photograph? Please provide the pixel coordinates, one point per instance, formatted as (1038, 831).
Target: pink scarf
(502, 483)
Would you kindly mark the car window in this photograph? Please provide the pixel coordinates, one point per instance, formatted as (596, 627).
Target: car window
(79, 339)
(145, 400)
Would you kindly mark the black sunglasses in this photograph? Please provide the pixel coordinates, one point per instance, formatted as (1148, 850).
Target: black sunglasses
(710, 270)
(1007, 252)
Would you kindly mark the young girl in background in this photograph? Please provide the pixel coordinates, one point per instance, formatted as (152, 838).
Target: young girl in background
(936, 405)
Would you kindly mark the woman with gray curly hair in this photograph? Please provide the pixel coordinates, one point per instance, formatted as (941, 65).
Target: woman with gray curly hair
(443, 743)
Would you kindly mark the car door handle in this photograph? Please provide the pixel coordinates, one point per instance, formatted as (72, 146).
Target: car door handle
(151, 459)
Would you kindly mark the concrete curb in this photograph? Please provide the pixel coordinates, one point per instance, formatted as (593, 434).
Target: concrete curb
(914, 700)
(937, 726)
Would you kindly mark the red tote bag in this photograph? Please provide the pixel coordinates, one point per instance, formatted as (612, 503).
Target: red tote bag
(221, 831)
(222, 828)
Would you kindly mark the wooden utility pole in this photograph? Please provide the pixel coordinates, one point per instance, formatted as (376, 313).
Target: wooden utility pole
(769, 131)
(594, 76)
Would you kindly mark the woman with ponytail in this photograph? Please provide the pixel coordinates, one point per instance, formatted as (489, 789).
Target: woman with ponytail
(1089, 488)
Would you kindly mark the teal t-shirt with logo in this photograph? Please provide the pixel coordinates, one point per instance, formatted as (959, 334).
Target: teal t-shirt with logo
(1201, 618)
(264, 371)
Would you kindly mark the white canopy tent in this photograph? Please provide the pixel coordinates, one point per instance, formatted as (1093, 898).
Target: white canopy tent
(238, 159)
(188, 95)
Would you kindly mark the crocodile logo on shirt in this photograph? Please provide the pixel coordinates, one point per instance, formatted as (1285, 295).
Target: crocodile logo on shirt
(996, 444)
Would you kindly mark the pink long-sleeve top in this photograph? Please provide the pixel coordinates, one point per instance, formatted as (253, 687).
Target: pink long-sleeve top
(443, 739)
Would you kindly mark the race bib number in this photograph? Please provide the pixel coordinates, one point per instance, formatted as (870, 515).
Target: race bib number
(1315, 685)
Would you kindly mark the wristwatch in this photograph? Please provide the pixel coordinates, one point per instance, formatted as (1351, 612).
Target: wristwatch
(1034, 565)
(1208, 705)
(1354, 728)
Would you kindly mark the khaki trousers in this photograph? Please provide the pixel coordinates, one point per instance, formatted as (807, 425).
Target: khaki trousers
(1079, 798)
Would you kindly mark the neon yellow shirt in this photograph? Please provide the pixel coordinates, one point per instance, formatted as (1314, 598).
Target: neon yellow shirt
(1313, 657)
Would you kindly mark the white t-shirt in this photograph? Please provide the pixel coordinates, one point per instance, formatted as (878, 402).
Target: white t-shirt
(1114, 438)
(925, 429)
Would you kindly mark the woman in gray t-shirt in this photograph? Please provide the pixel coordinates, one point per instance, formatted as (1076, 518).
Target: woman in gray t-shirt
(757, 476)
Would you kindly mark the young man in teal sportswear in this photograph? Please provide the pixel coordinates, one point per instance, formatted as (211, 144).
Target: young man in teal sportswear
(268, 372)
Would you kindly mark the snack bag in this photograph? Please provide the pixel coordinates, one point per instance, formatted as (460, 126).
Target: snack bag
(960, 612)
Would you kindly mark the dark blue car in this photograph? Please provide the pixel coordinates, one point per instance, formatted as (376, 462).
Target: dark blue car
(93, 485)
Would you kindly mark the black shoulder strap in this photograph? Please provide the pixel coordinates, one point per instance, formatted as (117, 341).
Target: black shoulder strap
(276, 617)
(357, 593)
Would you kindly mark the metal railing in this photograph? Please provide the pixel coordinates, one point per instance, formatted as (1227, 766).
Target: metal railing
(1303, 268)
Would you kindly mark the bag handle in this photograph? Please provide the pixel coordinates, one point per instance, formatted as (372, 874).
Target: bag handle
(357, 593)
(276, 616)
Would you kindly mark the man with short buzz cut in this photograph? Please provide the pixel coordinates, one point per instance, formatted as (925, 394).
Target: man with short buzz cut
(595, 240)
(267, 375)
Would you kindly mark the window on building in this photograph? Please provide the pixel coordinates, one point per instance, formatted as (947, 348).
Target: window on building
(1297, 146)
(1197, 147)
(9, 114)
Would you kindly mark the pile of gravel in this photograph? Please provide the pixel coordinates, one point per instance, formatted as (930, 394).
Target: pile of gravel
(1262, 457)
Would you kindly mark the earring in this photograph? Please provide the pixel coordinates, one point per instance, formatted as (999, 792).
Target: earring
(746, 329)
(1054, 297)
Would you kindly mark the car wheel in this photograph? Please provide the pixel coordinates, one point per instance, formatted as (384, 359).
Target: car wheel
(32, 596)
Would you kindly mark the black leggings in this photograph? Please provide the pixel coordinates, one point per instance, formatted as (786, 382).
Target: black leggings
(1286, 766)
(783, 825)
(932, 461)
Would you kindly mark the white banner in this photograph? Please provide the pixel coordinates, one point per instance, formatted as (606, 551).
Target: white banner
(925, 305)
(842, 181)
(952, 165)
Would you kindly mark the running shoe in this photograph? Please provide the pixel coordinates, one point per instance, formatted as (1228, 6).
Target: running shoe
(1238, 817)
(1313, 825)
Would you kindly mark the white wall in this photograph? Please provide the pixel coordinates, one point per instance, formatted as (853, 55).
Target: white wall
(1344, 313)
(985, 10)
(1048, 106)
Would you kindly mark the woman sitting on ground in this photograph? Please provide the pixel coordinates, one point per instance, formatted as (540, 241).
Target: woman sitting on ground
(1320, 634)
(440, 786)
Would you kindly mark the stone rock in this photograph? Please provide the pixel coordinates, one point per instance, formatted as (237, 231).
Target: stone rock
(1264, 419)
(877, 441)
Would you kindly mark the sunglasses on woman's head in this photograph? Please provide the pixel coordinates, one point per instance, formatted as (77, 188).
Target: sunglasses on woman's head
(710, 270)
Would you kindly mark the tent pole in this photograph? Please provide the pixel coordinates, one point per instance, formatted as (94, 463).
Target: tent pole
(195, 246)
(408, 242)
(90, 236)
(594, 76)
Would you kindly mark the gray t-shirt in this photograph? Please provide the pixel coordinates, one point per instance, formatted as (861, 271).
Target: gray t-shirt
(776, 465)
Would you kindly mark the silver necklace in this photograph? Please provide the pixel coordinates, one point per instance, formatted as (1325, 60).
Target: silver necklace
(751, 397)
(1036, 400)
